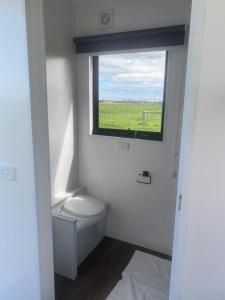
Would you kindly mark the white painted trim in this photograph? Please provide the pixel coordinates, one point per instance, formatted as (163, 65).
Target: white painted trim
(39, 114)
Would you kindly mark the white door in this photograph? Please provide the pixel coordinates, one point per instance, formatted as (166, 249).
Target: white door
(191, 90)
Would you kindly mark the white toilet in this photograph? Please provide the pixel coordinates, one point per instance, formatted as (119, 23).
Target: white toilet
(79, 223)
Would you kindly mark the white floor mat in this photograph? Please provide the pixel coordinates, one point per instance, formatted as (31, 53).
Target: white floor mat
(146, 277)
(127, 289)
(149, 270)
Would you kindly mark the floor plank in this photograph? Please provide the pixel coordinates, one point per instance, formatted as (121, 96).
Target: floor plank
(100, 272)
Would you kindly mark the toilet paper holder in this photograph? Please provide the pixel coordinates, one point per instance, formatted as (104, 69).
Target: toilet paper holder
(145, 176)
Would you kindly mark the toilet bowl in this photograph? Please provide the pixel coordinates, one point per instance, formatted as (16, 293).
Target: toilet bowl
(90, 214)
(85, 218)
(85, 209)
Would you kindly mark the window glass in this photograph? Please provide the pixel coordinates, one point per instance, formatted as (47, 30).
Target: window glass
(131, 92)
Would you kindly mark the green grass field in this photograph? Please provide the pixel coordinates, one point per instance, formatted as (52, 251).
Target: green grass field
(128, 115)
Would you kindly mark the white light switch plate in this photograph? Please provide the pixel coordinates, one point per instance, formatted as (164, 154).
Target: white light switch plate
(125, 146)
(7, 172)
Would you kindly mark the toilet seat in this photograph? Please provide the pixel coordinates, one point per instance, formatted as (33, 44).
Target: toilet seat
(83, 206)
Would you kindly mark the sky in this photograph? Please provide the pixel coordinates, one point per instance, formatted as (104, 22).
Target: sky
(132, 76)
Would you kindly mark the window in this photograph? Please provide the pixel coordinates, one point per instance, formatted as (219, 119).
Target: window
(129, 94)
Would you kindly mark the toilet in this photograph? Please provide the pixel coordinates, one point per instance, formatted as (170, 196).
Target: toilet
(79, 223)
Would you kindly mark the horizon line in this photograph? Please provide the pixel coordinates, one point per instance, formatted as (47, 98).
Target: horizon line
(153, 100)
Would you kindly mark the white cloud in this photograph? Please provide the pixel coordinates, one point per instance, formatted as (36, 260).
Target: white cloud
(155, 79)
(133, 69)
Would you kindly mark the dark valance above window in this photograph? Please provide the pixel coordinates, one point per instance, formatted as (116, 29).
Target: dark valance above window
(139, 39)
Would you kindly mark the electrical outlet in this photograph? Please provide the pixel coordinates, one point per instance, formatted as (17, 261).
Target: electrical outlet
(7, 172)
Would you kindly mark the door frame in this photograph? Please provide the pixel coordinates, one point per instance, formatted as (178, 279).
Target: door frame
(37, 71)
(39, 121)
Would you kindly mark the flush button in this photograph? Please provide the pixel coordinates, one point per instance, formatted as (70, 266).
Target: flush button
(7, 172)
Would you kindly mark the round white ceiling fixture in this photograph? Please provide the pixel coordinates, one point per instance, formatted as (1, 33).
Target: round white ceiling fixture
(106, 19)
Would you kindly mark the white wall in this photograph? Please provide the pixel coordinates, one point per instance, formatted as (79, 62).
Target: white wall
(139, 214)
(201, 264)
(131, 14)
(59, 28)
(19, 271)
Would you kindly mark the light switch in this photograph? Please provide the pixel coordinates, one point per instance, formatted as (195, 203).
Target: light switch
(125, 146)
(7, 172)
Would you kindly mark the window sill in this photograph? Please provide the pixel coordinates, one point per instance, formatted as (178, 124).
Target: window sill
(121, 138)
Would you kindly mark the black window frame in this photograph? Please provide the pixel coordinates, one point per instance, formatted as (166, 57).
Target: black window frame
(128, 133)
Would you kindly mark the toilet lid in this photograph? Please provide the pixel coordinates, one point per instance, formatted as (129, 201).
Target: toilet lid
(83, 206)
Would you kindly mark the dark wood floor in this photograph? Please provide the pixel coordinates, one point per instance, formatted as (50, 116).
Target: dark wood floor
(100, 272)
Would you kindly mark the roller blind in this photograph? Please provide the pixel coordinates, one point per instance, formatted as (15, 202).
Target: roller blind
(139, 39)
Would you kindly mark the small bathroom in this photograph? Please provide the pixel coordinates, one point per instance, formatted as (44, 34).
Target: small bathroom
(115, 89)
